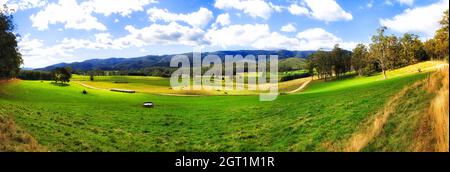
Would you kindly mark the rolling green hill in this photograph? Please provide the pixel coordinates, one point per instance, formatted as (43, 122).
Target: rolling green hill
(291, 64)
(164, 60)
(319, 119)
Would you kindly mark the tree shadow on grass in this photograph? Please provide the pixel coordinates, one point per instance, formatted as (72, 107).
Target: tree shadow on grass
(343, 77)
(60, 84)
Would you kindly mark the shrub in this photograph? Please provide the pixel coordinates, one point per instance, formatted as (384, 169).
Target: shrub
(62, 75)
(289, 77)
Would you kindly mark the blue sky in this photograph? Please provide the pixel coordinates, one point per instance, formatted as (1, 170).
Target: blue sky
(57, 31)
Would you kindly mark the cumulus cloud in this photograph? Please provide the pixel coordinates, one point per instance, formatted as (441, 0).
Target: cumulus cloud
(295, 9)
(424, 19)
(259, 36)
(289, 28)
(276, 40)
(318, 38)
(197, 19)
(18, 5)
(36, 54)
(171, 34)
(254, 8)
(256, 36)
(177, 29)
(237, 35)
(327, 10)
(277, 8)
(69, 13)
(122, 7)
(223, 19)
(80, 16)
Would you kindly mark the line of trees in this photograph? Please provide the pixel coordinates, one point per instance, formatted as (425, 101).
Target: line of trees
(437, 47)
(149, 71)
(59, 75)
(10, 58)
(333, 63)
(386, 52)
(35, 75)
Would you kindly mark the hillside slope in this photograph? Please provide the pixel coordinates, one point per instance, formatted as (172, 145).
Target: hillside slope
(323, 118)
(12, 137)
(164, 60)
(415, 119)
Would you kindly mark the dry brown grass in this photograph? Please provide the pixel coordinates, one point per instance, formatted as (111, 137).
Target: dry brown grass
(359, 140)
(438, 111)
(13, 139)
(432, 133)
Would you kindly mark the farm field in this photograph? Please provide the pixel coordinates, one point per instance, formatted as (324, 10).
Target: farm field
(321, 118)
(161, 86)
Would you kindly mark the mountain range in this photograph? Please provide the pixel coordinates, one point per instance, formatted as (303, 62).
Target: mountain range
(164, 60)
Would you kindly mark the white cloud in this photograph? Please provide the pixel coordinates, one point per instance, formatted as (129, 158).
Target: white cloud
(18, 5)
(223, 19)
(276, 41)
(67, 12)
(36, 54)
(316, 38)
(171, 34)
(101, 41)
(197, 19)
(295, 9)
(423, 19)
(40, 54)
(277, 8)
(254, 8)
(74, 15)
(402, 2)
(143, 50)
(327, 10)
(259, 36)
(122, 7)
(3, 2)
(406, 2)
(289, 28)
(256, 36)
(237, 35)
(317, 34)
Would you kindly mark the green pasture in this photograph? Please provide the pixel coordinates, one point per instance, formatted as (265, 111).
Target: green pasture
(61, 118)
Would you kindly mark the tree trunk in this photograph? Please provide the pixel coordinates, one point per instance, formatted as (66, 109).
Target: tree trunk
(384, 74)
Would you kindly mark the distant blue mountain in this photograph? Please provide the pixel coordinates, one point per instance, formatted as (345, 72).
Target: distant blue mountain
(164, 60)
(26, 68)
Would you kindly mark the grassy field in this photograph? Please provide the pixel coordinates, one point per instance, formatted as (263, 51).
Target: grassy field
(418, 119)
(160, 85)
(322, 86)
(322, 118)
